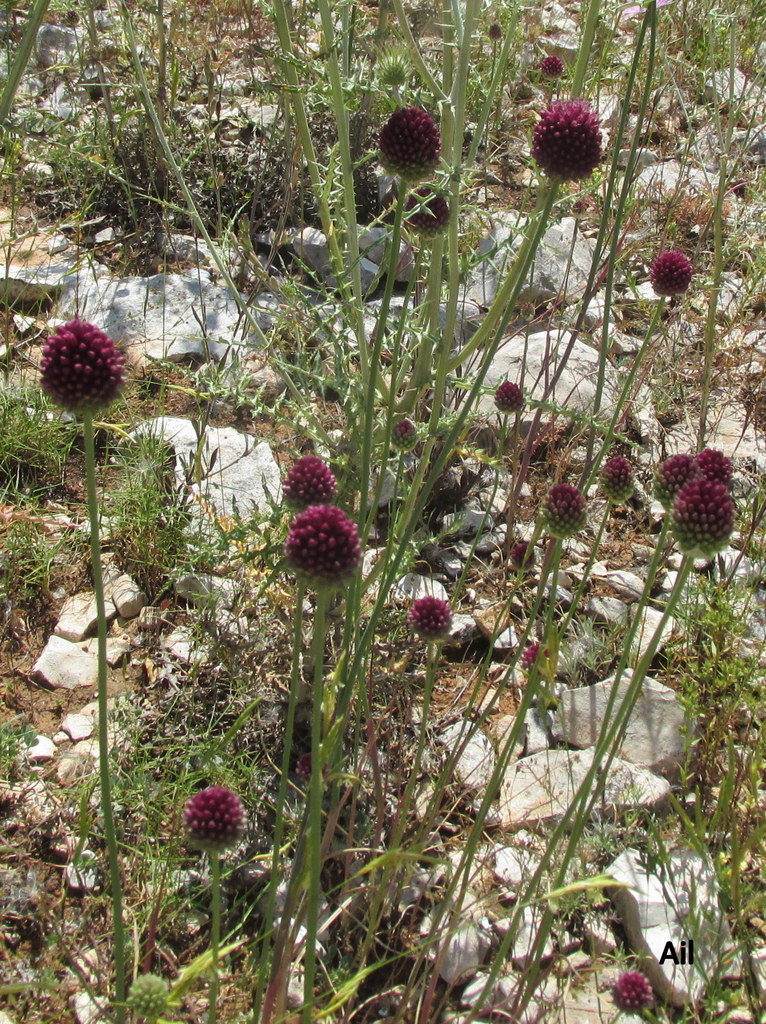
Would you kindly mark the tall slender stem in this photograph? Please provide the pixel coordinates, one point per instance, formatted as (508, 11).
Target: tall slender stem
(215, 934)
(103, 731)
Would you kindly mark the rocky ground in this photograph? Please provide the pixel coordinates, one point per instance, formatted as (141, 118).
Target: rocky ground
(200, 616)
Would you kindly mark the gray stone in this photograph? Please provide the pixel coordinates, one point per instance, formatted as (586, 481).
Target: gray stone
(88, 1009)
(78, 726)
(514, 865)
(539, 788)
(82, 875)
(669, 175)
(500, 992)
(522, 947)
(245, 476)
(466, 949)
(54, 44)
(463, 629)
(628, 585)
(657, 735)
(563, 260)
(65, 666)
(576, 387)
(414, 586)
(536, 729)
(206, 590)
(643, 158)
(724, 85)
(468, 318)
(128, 597)
(475, 754)
(606, 609)
(648, 625)
(178, 317)
(116, 648)
(78, 617)
(43, 749)
(669, 903)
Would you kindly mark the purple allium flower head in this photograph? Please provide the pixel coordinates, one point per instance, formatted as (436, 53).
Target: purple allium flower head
(495, 32)
(214, 818)
(632, 991)
(564, 511)
(530, 655)
(81, 368)
(409, 144)
(714, 465)
(552, 67)
(309, 482)
(426, 212)
(404, 435)
(303, 765)
(702, 517)
(522, 555)
(671, 475)
(617, 479)
(323, 544)
(509, 397)
(430, 617)
(148, 996)
(670, 273)
(567, 140)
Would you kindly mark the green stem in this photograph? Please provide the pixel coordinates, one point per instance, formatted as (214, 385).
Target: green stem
(103, 730)
(215, 934)
(314, 845)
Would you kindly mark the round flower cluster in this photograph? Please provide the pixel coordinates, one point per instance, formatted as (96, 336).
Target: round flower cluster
(552, 67)
(509, 398)
(430, 618)
(702, 517)
(530, 655)
(564, 511)
(426, 212)
(495, 32)
(409, 144)
(567, 140)
(148, 996)
(671, 475)
(632, 991)
(323, 544)
(671, 273)
(215, 818)
(617, 479)
(714, 466)
(81, 368)
(309, 482)
(404, 435)
(522, 555)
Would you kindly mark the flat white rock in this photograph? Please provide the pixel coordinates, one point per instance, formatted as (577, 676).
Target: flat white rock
(65, 666)
(540, 788)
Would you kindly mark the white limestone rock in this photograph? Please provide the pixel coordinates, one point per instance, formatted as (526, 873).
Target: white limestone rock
(466, 949)
(657, 734)
(540, 788)
(476, 758)
(78, 617)
(666, 905)
(65, 666)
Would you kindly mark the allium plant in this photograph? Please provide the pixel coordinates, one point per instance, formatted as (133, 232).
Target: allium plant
(671, 273)
(616, 479)
(714, 465)
(567, 140)
(81, 370)
(509, 398)
(148, 997)
(522, 555)
(632, 991)
(323, 545)
(552, 66)
(404, 435)
(214, 819)
(309, 482)
(426, 212)
(430, 618)
(702, 517)
(409, 144)
(564, 512)
(671, 475)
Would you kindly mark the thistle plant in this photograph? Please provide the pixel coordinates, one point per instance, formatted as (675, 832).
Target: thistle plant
(81, 370)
